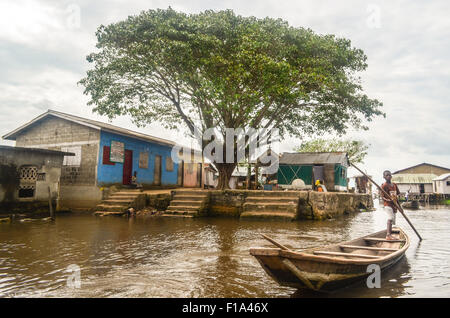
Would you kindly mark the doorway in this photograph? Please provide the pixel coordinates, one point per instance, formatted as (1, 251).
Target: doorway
(127, 167)
(157, 172)
(422, 188)
(318, 174)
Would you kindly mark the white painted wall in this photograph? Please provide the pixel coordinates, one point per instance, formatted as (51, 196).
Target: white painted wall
(414, 188)
(441, 186)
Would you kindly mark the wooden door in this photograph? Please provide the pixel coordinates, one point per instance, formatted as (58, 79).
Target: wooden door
(199, 175)
(180, 173)
(157, 172)
(128, 167)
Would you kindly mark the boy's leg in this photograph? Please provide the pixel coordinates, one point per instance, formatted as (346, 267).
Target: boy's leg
(390, 220)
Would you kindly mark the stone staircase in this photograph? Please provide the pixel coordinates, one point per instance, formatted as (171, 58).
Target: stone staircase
(119, 202)
(271, 204)
(187, 203)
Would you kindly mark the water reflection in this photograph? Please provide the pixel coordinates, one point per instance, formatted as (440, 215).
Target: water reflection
(208, 257)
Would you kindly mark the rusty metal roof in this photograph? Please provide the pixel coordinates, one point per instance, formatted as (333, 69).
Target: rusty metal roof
(407, 178)
(311, 158)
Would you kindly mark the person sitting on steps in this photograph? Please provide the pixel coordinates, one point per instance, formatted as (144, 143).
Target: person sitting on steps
(134, 183)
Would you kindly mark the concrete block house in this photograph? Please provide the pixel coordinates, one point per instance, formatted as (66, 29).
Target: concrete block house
(105, 155)
(418, 178)
(329, 167)
(29, 176)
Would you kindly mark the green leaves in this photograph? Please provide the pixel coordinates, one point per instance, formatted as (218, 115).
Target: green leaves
(355, 149)
(222, 69)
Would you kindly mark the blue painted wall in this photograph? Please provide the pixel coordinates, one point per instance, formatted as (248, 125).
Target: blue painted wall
(114, 173)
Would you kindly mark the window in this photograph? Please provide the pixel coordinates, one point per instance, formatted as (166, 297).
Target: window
(106, 161)
(448, 183)
(72, 160)
(27, 185)
(143, 160)
(169, 164)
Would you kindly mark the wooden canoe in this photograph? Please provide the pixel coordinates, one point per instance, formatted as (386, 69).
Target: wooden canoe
(334, 266)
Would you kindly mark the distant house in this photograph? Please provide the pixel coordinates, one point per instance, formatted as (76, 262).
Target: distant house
(329, 167)
(418, 178)
(104, 155)
(211, 176)
(238, 179)
(27, 174)
(414, 182)
(441, 184)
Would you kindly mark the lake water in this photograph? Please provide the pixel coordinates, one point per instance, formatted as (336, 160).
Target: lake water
(205, 257)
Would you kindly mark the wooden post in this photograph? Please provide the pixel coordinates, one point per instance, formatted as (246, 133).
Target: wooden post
(52, 215)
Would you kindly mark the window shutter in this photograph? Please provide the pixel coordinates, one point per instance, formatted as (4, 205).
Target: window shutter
(106, 150)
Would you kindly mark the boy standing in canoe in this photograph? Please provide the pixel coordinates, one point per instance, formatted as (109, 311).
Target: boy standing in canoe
(389, 206)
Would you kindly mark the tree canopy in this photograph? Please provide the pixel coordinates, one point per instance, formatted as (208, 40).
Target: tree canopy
(219, 69)
(355, 149)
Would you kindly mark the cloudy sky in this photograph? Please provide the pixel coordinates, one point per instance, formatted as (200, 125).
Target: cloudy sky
(43, 45)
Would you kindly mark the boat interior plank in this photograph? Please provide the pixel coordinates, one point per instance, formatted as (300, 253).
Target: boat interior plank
(377, 239)
(369, 248)
(345, 254)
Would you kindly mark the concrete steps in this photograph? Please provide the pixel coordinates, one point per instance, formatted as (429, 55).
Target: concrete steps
(285, 216)
(119, 202)
(281, 205)
(187, 203)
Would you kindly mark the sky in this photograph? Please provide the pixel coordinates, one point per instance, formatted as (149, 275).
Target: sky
(43, 45)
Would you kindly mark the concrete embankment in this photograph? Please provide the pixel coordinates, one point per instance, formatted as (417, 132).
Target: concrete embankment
(288, 205)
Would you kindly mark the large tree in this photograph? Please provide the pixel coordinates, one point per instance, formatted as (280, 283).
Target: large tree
(355, 149)
(219, 69)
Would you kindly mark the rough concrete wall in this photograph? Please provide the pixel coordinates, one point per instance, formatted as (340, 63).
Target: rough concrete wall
(312, 205)
(85, 174)
(47, 164)
(55, 133)
(328, 173)
(80, 197)
(54, 130)
(327, 205)
(227, 202)
(159, 201)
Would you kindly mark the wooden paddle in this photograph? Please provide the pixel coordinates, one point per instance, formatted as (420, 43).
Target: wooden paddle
(395, 201)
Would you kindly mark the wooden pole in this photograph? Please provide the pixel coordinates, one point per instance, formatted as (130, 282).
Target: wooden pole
(52, 215)
(395, 202)
(275, 243)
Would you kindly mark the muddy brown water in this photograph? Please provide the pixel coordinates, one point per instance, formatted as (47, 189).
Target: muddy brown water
(205, 257)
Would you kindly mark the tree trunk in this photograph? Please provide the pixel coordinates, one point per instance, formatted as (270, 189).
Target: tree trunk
(225, 171)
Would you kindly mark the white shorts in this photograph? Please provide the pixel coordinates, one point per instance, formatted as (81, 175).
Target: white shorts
(390, 213)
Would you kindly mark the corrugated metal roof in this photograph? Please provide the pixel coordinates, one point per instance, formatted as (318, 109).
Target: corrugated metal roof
(442, 177)
(305, 158)
(413, 178)
(90, 123)
(421, 164)
(39, 150)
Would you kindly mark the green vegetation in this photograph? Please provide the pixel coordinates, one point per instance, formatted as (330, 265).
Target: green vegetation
(355, 149)
(219, 69)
